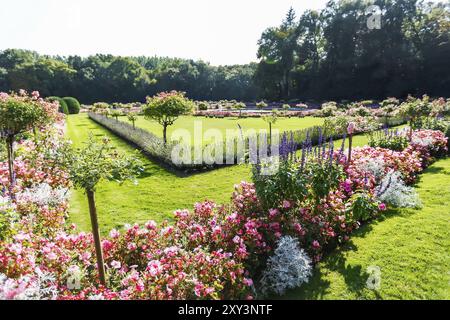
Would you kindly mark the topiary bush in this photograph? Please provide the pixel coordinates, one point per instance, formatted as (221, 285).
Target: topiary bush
(72, 104)
(63, 108)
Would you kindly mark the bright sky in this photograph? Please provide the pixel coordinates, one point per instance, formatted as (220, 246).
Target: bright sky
(218, 31)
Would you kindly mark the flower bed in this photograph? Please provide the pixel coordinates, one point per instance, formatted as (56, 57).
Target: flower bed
(212, 252)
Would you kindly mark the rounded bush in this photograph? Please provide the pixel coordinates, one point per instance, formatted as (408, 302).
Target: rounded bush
(63, 108)
(72, 104)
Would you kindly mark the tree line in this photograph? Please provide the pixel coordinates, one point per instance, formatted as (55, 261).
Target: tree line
(322, 55)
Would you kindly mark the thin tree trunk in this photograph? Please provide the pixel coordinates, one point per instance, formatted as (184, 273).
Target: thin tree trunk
(10, 147)
(350, 143)
(96, 233)
(165, 134)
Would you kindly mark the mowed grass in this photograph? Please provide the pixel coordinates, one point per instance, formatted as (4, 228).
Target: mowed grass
(411, 247)
(190, 123)
(158, 193)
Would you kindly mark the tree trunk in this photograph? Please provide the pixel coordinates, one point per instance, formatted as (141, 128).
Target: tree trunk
(270, 136)
(10, 147)
(350, 143)
(165, 134)
(96, 233)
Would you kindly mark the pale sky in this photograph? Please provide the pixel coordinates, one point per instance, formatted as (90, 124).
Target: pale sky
(218, 31)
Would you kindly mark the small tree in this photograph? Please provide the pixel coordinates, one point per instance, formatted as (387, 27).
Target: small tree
(116, 114)
(239, 106)
(88, 166)
(73, 105)
(20, 113)
(271, 120)
(261, 105)
(132, 117)
(413, 110)
(286, 108)
(166, 107)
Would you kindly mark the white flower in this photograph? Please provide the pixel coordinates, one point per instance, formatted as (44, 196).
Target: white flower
(288, 268)
(43, 194)
(392, 190)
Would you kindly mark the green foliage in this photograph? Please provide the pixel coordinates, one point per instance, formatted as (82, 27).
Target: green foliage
(414, 109)
(202, 105)
(98, 161)
(288, 183)
(328, 109)
(261, 105)
(272, 118)
(63, 108)
(18, 115)
(165, 108)
(388, 140)
(363, 207)
(72, 104)
(323, 177)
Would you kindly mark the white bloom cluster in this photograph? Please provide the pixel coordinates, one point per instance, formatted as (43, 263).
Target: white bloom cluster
(424, 142)
(40, 286)
(375, 166)
(392, 190)
(43, 194)
(288, 268)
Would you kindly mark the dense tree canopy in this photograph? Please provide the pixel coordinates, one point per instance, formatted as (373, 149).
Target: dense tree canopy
(336, 56)
(322, 55)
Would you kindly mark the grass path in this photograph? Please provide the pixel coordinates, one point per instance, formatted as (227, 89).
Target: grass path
(412, 248)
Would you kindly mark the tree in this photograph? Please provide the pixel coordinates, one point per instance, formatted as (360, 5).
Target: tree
(20, 113)
(277, 47)
(63, 108)
(72, 104)
(166, 107)
(239, 106)
(271, 120)
(132, 117)
(261, 105)
(116, 114)
(87, 167)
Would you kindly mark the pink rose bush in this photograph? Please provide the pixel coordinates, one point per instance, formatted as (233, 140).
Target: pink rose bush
(210, 252)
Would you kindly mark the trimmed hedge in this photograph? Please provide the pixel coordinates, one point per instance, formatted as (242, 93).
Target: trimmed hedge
(72, 104)
(63, 108)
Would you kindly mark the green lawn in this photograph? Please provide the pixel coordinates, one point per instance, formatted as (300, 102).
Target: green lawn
(190, 122)
(411, 247)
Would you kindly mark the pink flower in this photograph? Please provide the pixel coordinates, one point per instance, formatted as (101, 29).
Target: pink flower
(154, 267)
(116, 264)
(382, 206)
(132, 246)
(351, 128)
(286, 204)
(248, 282)
(316, 244)
(114, 234)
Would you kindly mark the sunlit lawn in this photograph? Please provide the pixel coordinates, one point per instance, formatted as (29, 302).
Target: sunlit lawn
(411, 247)
(202, 124)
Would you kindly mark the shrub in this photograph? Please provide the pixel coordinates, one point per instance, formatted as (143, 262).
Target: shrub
(63, 108)
(72, 104)
(388, 139)
(393, 191)
(288, 268)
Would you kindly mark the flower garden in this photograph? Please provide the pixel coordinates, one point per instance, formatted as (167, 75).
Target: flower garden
(268, 240)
